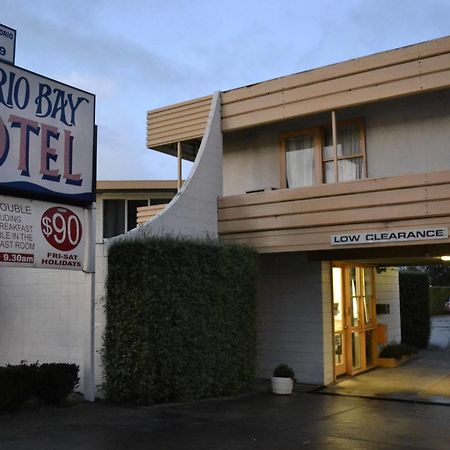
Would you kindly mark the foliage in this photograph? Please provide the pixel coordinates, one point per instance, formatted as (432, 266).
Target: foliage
(397, 351)
(438, 297)
(439, 274)
(17, 383)
(50, 382)
(414, 309)
(55, 381)
(180, 319)
(284, 371)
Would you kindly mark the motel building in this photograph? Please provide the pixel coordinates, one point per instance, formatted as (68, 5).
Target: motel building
(337, 176)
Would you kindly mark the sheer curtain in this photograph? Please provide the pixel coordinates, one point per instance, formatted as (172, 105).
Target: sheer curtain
(300, 161)
(349, 169)
(348, 146)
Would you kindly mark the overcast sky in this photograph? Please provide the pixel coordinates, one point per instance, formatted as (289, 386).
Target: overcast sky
(137, 55)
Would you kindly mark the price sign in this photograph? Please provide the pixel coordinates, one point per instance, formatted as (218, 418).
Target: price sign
(62, 228)
(38, 234)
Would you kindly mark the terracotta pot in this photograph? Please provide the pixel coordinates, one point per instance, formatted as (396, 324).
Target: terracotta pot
(392, 362)
(282, 386)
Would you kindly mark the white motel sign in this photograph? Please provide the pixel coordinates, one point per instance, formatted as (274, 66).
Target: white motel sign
(46, 138)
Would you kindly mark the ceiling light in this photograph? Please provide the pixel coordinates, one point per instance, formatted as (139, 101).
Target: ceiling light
(445, 258)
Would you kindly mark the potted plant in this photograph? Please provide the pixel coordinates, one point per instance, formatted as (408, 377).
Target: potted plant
(395, 354)
(283, 380)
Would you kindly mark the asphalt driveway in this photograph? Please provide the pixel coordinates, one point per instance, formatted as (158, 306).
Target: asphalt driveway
(258, 421)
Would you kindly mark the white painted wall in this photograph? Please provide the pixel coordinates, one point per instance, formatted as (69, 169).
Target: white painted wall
(293, 310)
(43, 315)
(387, 292)
(411, 133)
(327, 320)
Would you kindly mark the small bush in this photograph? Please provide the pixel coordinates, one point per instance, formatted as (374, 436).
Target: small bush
(55, 381)
(397, 351)
(438, 296)
(284, 371)
(17, 383)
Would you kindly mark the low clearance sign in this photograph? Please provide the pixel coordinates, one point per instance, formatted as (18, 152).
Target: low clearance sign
(46, 138)
(377, 237)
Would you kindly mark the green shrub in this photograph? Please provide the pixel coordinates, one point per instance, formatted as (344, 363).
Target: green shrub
(438, 297)
(55, 381)
(17, 383)
(397, 351)
(180, 320)
(414, 309)
(284, 371)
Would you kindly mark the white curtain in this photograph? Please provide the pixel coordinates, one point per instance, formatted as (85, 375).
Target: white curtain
(300, 161)
(348, 169)
(347, 146)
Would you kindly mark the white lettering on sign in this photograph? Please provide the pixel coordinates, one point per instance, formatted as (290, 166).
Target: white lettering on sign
(376, 237)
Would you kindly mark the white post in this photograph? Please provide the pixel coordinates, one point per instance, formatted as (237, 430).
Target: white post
(334, 133)
(180, 165)
(89, 388)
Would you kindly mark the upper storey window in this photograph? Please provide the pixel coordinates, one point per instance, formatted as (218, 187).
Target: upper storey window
(308, 157)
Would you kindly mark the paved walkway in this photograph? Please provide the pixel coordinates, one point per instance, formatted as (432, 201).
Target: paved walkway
(424, 379)
(440, 332)
(260, 421)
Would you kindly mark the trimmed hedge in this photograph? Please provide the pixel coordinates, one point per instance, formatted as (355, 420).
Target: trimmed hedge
(55, 381)
(180, 320)
(17, 384)
(438, 297)
(49, 382)
(414, 309)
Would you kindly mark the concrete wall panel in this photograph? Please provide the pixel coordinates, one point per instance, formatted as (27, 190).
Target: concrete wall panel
(290, 315)
(387, 292)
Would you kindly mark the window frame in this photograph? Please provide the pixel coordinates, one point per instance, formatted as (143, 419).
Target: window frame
(319, 139)
(129, 198)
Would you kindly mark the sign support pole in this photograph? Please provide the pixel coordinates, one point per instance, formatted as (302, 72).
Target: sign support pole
(89, 388)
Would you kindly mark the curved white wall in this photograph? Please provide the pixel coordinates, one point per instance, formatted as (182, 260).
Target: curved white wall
(193, 211)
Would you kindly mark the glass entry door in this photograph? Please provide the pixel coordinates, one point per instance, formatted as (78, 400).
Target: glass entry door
(354, 318)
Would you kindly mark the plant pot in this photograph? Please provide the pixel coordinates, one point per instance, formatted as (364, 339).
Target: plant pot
(282, 386)
(392, 362)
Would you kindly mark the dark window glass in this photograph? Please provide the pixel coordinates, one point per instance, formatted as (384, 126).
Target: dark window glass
(159, 201)
(113, 218)
(132, 212)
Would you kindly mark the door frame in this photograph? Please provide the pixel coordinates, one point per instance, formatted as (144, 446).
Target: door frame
(362, 328)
